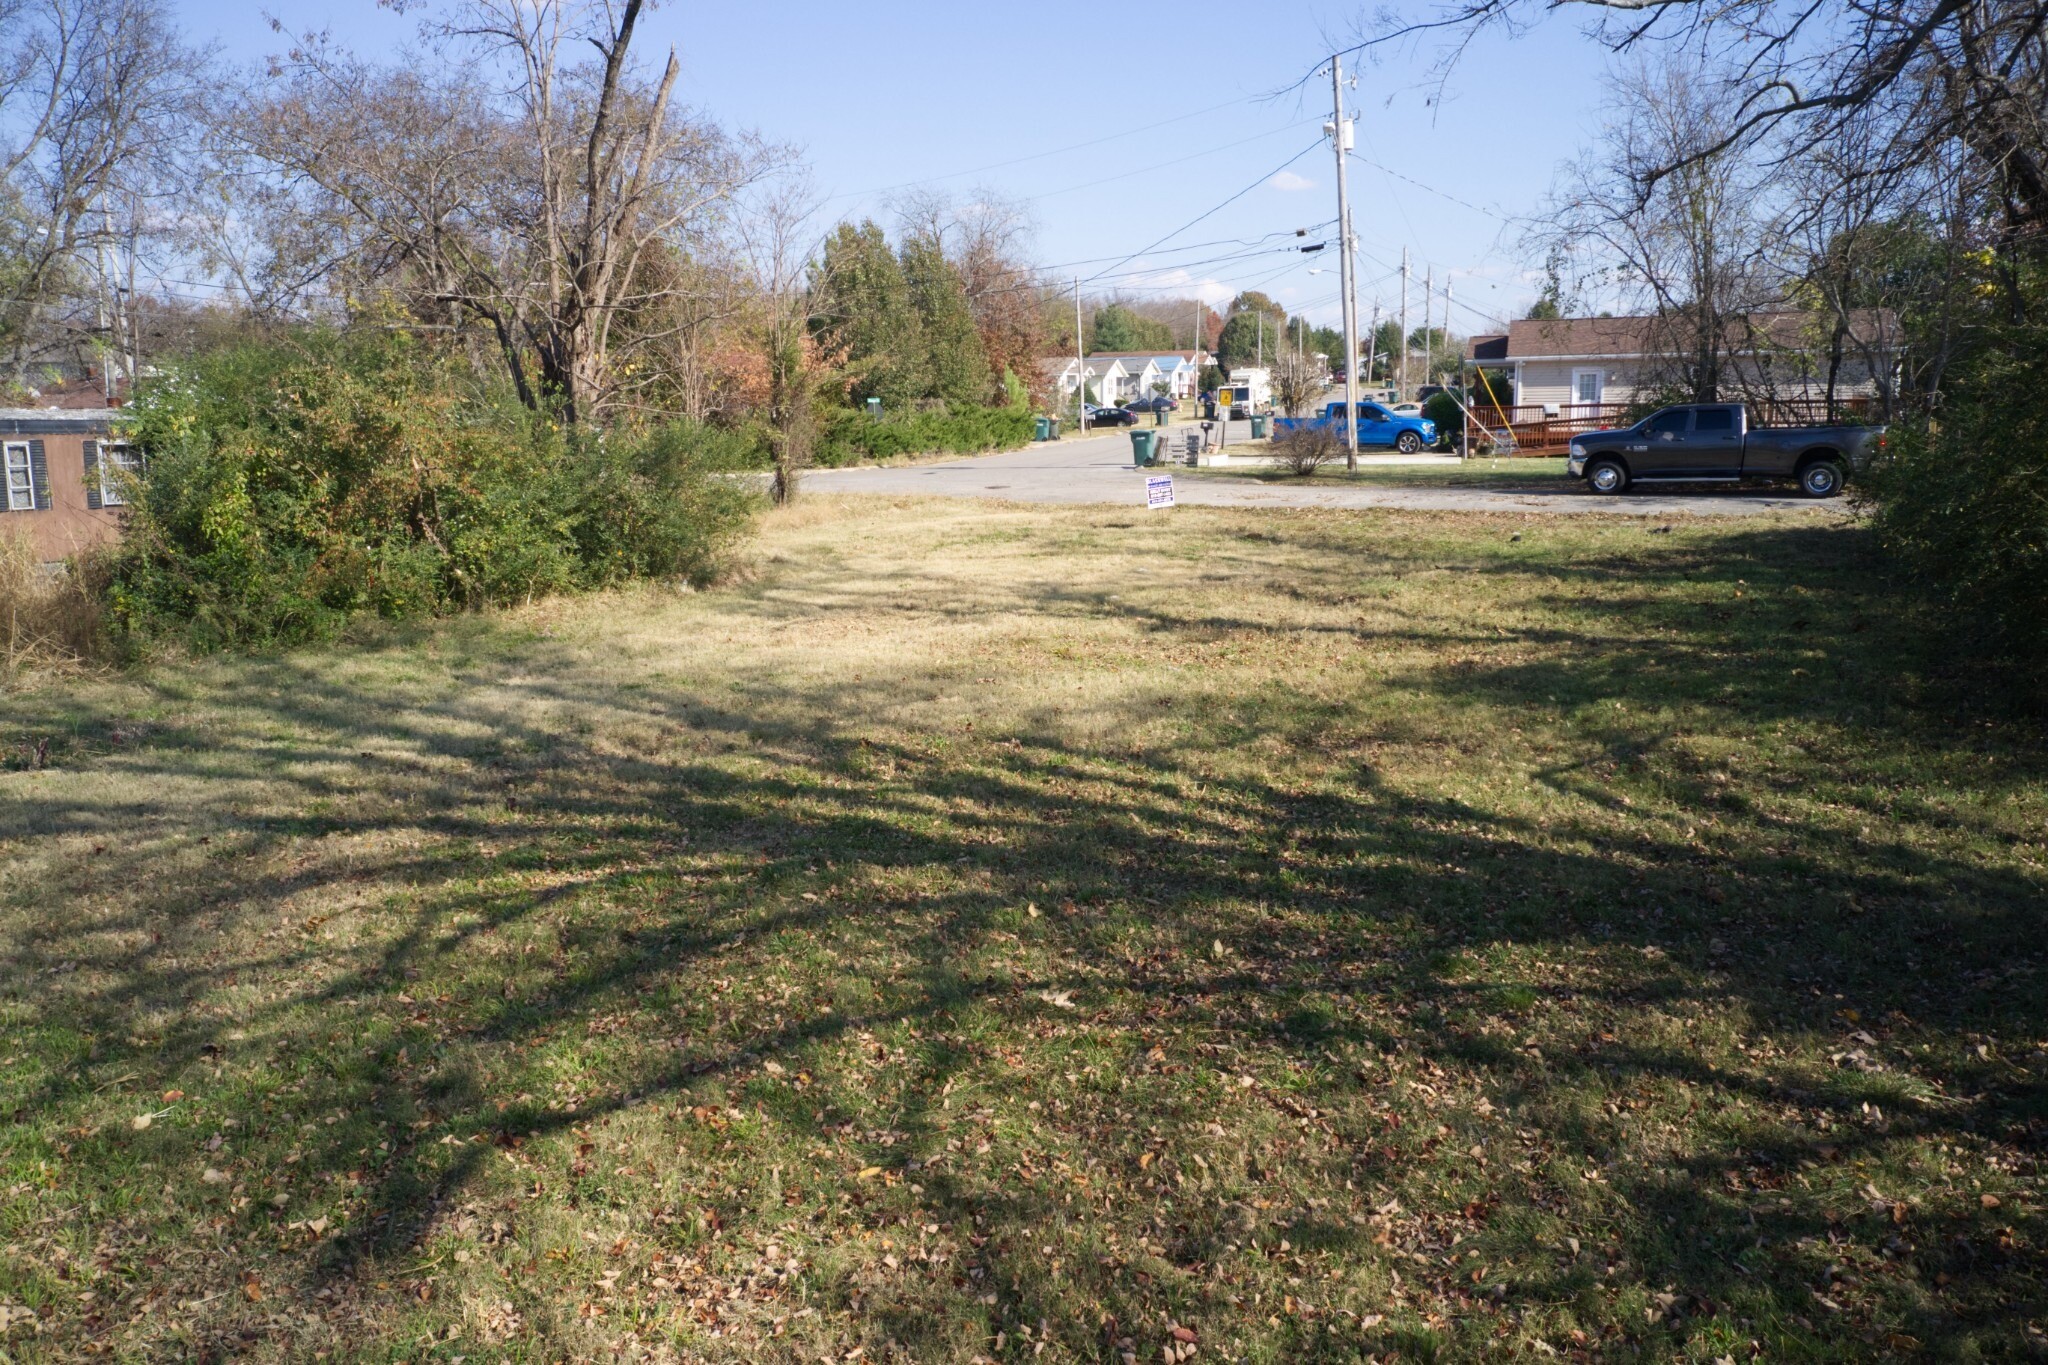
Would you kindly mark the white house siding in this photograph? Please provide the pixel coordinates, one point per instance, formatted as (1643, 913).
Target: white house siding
(1555, 381)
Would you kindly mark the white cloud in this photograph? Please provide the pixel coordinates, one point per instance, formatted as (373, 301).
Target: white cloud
(1179, 280)
(1288, 180)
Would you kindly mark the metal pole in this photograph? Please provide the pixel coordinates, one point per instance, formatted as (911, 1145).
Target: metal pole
(1340, 137)
(1080, 363)
(1403, 380)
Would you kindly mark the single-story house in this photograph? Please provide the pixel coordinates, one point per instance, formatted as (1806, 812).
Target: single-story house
(61, 478)
(1179, 371)
(1589, 362)
(1106, 381)
(1058, 375)
(1119, 377)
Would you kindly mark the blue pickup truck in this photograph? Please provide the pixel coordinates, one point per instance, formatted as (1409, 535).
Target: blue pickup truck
(1376, 427)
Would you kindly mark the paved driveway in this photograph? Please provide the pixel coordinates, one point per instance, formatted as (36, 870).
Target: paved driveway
(1098, 470)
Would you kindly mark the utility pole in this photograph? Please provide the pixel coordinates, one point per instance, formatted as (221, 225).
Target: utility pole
(133, 317)
(1464, 408)
(1428, 341)
(105, 334)
(1372, 344)
(1262, 338)
(1403, 380)
(1080, 363)
(1340, 141)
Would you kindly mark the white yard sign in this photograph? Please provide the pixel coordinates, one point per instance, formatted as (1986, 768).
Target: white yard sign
(1159, 491)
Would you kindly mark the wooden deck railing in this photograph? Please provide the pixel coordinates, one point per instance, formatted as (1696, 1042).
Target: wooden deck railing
(1539, 430)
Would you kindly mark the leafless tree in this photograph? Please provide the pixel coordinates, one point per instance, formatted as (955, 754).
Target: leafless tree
(90, 92)
(1297, 382)
(777, 235)
(1691, 252)
(500, 179)
(1971, 72)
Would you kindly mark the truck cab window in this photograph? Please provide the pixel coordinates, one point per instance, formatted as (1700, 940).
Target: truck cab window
(1670, 423)
(1714, 419)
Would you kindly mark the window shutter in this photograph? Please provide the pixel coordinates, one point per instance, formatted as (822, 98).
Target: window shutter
(92, 475)
(39, 475)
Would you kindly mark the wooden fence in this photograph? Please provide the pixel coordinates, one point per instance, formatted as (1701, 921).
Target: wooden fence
(1541, 430)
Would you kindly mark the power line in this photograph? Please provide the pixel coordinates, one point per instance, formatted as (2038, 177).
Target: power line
(1195, 246)
(1429, 189)
(1178, 161)
(1040, 156)
(1208, 213)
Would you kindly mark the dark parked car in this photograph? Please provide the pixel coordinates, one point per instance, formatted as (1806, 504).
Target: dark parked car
(1111, 417)
(1719, 443)
(1158, 402)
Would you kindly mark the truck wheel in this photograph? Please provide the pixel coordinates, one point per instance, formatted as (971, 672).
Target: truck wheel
(1821, 479)
(1606, 476)
(1407, 443)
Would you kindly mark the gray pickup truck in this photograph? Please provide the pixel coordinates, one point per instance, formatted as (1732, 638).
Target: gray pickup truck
(1718, 443)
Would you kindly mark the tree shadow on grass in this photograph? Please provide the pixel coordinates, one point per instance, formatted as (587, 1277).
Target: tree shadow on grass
(1311, 984)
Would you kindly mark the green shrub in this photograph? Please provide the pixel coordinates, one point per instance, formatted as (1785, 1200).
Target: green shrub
(1963, 502)
(1443, 409)
(291, 488)
(846, 436)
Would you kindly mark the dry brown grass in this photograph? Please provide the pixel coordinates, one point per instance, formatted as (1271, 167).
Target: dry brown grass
(47, 620)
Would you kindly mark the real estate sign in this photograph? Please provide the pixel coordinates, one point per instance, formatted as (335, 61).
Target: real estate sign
(1159, 491)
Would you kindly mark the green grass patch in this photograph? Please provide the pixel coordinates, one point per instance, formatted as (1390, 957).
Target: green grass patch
(982, 930)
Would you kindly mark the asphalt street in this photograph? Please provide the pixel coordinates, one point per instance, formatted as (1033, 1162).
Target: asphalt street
(1099, 470)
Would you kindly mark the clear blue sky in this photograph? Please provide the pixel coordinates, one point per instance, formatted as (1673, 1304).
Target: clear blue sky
(877, 95)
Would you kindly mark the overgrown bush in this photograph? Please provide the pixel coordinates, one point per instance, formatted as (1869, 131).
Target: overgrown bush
(1304, 450)
(291, 488)
(46, 619)
(1963, 502)
(1443, 409)
(846, 436)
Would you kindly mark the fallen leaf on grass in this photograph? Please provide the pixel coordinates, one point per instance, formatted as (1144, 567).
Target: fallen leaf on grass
(1989, 1201)
(1062, 999)
(870, 1172)
(214, 1176)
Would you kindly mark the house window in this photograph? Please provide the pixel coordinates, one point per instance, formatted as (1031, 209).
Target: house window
(117, 460)
(21, 479)
(1586, 386)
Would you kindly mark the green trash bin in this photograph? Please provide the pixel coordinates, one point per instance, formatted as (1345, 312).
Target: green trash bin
(1052, 428)
(1259, 428)
(1143, 444)
(1041, 428)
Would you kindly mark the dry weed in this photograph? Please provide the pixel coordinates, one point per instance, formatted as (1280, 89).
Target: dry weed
(48, 619)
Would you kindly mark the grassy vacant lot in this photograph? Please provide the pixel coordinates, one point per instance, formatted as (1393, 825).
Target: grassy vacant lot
(1047, 934)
